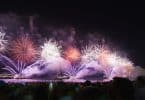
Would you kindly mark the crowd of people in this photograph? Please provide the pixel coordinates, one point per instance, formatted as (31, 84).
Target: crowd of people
(118, 89)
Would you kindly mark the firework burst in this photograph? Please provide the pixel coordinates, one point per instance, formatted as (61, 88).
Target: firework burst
(92, 52)
(111, 62)
(72, 54)
(114, 60)
(23, 49)
(50, 50)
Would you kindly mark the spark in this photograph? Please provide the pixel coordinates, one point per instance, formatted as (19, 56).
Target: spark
(23, 49)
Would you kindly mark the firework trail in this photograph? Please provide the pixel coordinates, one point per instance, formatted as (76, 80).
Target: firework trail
(21, 66)
(3, 41)
(73, 70)
(33, 69)
(19, 69)
(10, 66)
(90, 69)
(23, 49)
(44, 69)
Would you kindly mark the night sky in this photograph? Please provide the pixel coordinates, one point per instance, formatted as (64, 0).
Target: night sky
(123, 22)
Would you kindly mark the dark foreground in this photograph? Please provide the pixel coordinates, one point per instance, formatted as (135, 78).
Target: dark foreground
(118, 89)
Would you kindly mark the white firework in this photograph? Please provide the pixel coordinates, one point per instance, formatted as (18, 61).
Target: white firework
(3, 41)
(91, 53)
(50, 50)
(114, 60)
(120, 66)
(111, 62)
